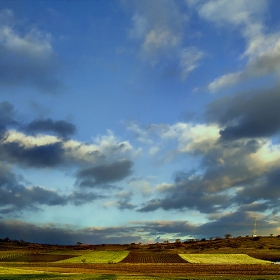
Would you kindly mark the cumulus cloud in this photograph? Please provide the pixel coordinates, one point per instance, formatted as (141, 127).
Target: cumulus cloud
(43, 150)
(101, 162)
(26, 59)
(230, 174)
(229, 167)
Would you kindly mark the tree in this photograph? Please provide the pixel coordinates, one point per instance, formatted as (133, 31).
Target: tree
(79, 243)
(227, 235)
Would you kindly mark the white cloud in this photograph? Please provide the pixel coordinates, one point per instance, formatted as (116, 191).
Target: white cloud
(34, 44)
(236, 12)
(225, 81)
(191, 136)
(29, 141)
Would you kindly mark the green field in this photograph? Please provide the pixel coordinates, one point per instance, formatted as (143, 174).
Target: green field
(222, 259)
(98, 257)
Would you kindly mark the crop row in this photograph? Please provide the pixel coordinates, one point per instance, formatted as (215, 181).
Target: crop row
(143, 257)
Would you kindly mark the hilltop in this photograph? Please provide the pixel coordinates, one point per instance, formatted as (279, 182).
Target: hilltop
(231, 244)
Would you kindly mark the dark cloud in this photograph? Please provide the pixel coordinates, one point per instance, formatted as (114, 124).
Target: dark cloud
(247, 115)
(52, 234)
(225, 179)
(254, 207)
(15, 196)
(48, 155)
(80, 198)
(62, 128)
(124, 204)
(264, 188)
(237, 223)
(104, 174)
(26, 59)
(189, 191)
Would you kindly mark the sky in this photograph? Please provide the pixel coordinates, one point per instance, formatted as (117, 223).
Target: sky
(139, 121)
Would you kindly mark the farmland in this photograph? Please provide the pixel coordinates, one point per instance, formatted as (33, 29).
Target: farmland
(155, 261)
(157, 257)
(222, 259)
(98, 257)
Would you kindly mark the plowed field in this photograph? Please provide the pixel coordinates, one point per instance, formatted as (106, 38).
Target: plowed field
(149, 257)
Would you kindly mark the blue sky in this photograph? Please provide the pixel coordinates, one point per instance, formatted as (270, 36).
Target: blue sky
(136, 121)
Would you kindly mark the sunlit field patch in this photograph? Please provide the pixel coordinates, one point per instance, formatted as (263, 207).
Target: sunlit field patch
(9, 270)
(222, 259)
(98, 257)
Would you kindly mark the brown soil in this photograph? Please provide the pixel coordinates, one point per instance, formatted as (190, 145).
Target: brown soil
(153, 257)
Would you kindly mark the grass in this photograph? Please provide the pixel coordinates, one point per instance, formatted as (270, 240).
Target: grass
(222, 259)
(98, 257)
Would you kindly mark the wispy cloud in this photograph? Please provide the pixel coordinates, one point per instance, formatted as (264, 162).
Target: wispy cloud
(261, 54)
(160, 31)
